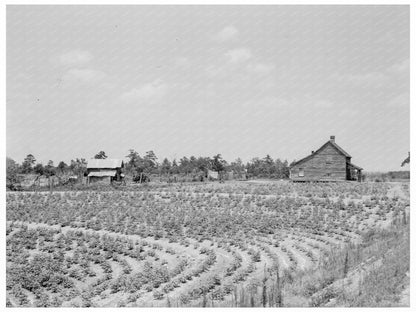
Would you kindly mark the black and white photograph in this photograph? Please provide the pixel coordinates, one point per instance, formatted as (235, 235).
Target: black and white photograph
(207, 155)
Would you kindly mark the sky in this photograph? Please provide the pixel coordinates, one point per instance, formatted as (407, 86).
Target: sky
(242, 81)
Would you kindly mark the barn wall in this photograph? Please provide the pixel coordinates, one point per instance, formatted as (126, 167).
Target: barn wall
(328, 160)
(100, 180)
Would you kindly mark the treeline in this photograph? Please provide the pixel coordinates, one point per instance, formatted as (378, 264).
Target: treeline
(390, 176)
(149, 164)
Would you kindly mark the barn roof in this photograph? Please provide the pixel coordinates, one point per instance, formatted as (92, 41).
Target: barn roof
(107, 173)
(337, 147)
(104, 163)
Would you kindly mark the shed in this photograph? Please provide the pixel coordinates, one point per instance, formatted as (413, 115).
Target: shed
(104, 170)
(329, 163)
(212, 175)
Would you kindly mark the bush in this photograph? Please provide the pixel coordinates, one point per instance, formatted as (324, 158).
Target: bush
(158, 295)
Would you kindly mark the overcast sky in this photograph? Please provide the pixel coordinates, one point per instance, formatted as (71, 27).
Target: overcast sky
(243, 81)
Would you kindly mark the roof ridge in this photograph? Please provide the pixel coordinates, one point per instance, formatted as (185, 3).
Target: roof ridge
(319, 149)
(339, 148)
(104, 163)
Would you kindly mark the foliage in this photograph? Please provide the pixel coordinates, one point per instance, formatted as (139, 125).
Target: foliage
(12, 169)
(100, 155)
(406, 161)
(200, 228)
(79, 166)
(28, 162)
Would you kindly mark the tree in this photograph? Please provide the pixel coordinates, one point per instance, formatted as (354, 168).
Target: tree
(203, 163)
(79, 166)
(267, 166)
(12, 169)
(134, 161)
(150, 161)
(62, 166)
(28, 162)
(100, 155)
(49, 169)
(406, 161)
(166, 166)
(254, 167)
(237, 165)
(285, 173)
(175, 167)
(184, 165)
(39, 169)
(218, 164)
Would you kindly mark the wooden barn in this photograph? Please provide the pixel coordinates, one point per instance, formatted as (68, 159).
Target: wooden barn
(329, 163)
(104, 170)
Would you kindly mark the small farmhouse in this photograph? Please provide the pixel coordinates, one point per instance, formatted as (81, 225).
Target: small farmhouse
(329, 163)
(104, 170)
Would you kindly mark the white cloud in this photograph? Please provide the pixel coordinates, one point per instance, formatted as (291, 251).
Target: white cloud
(400, 101)
(213, 71)
(323, 104)
(260, 68)
(348, 112)
(83, 76)
(238, 55)
(266, 103)
(182, 62)
(400, 67)
(149, 91)
(228, 33)
(75, 58)
(363, 79)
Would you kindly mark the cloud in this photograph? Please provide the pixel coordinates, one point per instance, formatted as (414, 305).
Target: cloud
(260, 68)
(213, 71)
(400, 67)
(348, 112)
(74, 58)
(266, 103)
(323, 104)
(228, 33)
(182, 62)
(149, 91)
(376, 79)
(238, 55)
(400, 101)
(83, 76)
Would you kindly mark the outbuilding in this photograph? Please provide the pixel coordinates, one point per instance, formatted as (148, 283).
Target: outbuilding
(329, 163)
(104, 170)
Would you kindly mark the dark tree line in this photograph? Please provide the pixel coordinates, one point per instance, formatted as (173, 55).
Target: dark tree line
(30, 166)
(148, 164)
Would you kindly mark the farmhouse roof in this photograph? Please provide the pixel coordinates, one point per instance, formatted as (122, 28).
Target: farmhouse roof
(355, 166)
(330, 142)
(104, 163)
(108, 173)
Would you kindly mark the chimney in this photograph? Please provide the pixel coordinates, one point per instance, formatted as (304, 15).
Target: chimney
(332, 138)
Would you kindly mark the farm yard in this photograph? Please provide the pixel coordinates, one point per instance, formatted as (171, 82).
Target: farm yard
(234, 244)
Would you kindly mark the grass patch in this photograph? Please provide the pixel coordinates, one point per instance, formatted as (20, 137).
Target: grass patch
(382, 286)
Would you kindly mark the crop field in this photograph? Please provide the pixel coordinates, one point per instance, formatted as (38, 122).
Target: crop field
(202, 244)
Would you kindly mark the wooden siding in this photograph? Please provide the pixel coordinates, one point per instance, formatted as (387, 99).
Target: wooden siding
(117, 177)
(327, 161)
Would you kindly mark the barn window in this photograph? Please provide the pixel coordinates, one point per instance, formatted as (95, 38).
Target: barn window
(301, 172)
